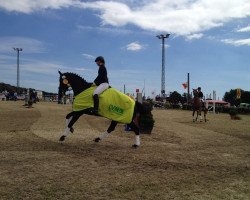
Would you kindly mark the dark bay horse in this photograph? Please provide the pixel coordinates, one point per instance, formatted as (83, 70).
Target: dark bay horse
(78, 85)
(198, 107)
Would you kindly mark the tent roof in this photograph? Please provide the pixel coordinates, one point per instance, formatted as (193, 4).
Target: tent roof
(217, 101)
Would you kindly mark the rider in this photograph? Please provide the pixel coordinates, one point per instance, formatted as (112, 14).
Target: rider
(200, 95)
(101, 82)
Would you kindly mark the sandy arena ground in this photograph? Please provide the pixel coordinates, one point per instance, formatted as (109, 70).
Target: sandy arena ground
(179, 160)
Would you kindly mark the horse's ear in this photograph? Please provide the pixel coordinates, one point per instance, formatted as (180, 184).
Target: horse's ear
(60, 73)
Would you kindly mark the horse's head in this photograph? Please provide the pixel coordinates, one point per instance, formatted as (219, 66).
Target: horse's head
(70, 80)
(63, 84)
(195, 92)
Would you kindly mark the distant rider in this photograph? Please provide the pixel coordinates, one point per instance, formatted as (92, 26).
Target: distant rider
(200, 95)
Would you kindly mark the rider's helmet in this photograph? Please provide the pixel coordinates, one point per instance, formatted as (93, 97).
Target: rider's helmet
(199, 88)
(100, 59)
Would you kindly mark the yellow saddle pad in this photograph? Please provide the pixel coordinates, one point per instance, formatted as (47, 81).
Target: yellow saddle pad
(113, 104)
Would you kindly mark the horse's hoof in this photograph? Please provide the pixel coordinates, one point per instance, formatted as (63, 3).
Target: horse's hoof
(62, 138)
(97, 139)
(71, 130)
(135, 146)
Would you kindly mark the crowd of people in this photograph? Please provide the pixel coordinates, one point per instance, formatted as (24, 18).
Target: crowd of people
(13, 95)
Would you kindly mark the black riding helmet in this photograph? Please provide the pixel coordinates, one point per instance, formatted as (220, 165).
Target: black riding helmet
(100, 59)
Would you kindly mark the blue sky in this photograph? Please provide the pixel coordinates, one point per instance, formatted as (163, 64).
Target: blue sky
(210, 39)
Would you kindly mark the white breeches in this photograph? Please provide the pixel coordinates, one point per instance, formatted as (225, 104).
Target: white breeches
(101, 88)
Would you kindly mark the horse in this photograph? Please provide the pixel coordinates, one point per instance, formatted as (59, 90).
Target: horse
(198, 106)
(79, 85)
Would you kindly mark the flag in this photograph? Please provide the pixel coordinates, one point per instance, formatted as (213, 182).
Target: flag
(238, 93)
(185, 85)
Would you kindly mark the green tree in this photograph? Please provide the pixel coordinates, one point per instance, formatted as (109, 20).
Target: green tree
(175, 97)
(231, 97)
(184, 97)
(245, 97)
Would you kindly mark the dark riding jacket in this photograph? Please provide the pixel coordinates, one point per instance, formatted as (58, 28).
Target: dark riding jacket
(200, 94)
(102, 76)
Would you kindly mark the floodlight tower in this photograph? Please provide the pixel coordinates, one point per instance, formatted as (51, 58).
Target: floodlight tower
(163, 37)
(18, 74)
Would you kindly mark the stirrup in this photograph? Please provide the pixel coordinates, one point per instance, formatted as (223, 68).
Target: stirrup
(94, 112)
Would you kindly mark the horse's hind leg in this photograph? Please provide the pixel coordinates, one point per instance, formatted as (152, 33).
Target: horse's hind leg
(105, 134)
(205, 115)
(72, 118)
(137, 134)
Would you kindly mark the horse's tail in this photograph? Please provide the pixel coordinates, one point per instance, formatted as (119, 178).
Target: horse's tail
(143, 108)
(145, 118)
(139, 107)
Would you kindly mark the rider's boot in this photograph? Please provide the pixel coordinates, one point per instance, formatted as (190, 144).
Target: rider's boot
(96, 104)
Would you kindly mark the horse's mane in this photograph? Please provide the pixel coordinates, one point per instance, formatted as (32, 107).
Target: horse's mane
(74, 77)
(74, 81)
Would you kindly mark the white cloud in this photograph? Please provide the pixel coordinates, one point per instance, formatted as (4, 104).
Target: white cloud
(113, 30)
(134, 46)
(194, 36)
(165, 45)
(237, 42)
(29, 6)
(5, 59)
(29, 45)
(41, 67)
(245, 29)
(117, 31)
(35, 73)
(88, 56)
(30, 65)
(180, 17)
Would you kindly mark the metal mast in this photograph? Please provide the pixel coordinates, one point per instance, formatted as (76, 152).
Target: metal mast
(162, 37)
(18, 73)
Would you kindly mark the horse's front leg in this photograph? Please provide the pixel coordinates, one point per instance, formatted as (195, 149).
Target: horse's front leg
(197, 114)
(68, 119)
(193, 116)
(205, 115)
(71, 118)
(105, 134)
(200, 116)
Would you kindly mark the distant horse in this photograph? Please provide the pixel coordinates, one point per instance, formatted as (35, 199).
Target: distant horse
(198, 106)
(83, 92)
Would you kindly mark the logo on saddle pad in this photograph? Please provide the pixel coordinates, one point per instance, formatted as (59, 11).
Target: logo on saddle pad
(116, 109)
